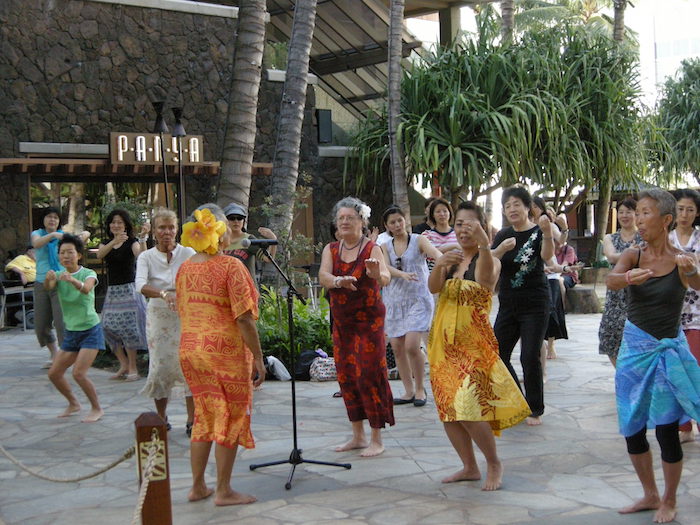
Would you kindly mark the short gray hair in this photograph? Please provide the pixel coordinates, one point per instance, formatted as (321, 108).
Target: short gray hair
(362, 209)
(215, 209)
(665, 202)
(163, 213)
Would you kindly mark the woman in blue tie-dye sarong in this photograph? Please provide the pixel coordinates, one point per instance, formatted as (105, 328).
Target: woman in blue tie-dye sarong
(657, 381)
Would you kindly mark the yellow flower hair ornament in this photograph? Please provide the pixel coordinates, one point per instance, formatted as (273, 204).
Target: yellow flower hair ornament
(203, 235)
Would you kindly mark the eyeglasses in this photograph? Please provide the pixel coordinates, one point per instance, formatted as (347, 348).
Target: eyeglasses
(236, 218)
(398, 263)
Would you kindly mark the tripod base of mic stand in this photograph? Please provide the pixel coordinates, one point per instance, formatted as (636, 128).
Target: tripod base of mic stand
(296, 459)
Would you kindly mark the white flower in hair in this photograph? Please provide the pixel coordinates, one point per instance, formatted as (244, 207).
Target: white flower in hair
(365, 211)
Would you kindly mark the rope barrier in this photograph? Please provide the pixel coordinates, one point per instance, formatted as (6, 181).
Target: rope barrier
(147, 473)
(155, 447)
(127, 454)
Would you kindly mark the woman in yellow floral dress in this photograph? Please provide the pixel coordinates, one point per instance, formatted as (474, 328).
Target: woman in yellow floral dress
(475, 395)
(219, 351)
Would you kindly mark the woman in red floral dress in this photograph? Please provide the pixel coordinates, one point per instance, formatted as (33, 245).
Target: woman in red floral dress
(353, 270)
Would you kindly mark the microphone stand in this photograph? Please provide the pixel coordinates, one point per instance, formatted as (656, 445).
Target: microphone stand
(295, 458)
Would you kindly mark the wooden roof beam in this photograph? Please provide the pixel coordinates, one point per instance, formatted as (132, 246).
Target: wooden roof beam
(356, 60)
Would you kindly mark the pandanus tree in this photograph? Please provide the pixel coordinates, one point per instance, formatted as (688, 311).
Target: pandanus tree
(557, 108)
(679, 117)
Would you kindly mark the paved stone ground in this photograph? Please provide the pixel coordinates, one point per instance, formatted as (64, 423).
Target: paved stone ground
(571, 470)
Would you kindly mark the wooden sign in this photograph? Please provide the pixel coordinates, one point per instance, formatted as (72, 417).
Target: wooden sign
(146, 149)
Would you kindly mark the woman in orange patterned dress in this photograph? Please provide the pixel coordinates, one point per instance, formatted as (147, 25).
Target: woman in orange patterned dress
(353, 270)
(220, 351)
(475, 395)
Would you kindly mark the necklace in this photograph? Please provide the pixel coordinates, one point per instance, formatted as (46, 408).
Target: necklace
(354, 264)
(352, 248)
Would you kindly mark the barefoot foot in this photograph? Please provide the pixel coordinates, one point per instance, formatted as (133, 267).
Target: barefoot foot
(120, 375)
(94, 415)
(494, 476)
(72, 409)
(470, 474)
(533, 421)
(374, 449)
(232, 497)
(352, 445)
(199, 493)
(666, 513)
(552, 354)
(646, 503)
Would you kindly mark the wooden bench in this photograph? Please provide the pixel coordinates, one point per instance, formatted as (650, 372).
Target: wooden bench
(583, 299)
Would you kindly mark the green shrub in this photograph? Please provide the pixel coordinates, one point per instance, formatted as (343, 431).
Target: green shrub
(311, 326)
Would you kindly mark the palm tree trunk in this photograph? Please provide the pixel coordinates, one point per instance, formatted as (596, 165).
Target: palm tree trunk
(239, 138)
(507, 20)
(76, 207)
(619, 20)
(399, 186)
(285, 168)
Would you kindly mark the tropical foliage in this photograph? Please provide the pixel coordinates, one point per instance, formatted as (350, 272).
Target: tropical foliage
(311, 325)
(557, 107)
(679, 117)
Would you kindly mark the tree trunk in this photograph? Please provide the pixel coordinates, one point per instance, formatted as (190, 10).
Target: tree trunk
(619, 20)
(602, 213)
(239, 137)
(76, 208)
(285, 169)
(507, 20)
(399, 186)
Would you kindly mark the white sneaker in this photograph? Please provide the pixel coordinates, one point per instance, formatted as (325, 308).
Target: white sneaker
(47, 365)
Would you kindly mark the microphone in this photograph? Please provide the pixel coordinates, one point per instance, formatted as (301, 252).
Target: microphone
(260, 243)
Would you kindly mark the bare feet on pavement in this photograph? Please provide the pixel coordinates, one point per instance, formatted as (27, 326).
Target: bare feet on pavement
(646, 503)
(494, 476)
(533, 421)
(666, 513)
(470, 474)
(94, 415)
(72, 409)
(374, 449)
(199, 493)
(233, 498)
(352, 445)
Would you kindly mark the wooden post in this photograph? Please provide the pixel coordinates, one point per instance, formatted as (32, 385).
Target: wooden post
(157, 508)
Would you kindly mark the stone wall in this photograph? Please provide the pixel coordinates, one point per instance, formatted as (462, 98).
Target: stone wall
(74, 70)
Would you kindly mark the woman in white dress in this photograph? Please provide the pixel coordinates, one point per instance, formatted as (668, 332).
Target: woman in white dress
(409, 304)
(156, 270)
(686, 237)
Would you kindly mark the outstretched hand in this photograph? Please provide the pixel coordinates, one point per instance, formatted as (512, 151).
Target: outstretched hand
(686, 263)
(545, 225)
(346, 281)
(372, 268)
(451, 258)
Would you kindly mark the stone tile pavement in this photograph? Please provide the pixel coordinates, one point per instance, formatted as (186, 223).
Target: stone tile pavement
(571, 470)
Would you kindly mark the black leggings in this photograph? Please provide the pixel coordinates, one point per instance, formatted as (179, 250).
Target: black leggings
(666, 435)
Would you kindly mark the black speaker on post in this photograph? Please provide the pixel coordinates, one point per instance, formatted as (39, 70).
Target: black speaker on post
(325, 126)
